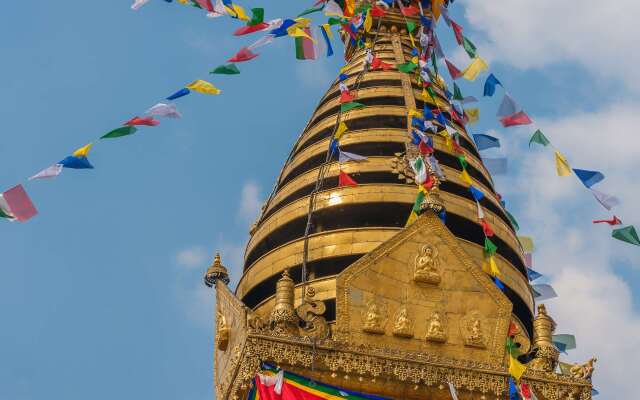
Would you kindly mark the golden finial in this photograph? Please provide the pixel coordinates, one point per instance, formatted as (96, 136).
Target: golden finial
(216, 272)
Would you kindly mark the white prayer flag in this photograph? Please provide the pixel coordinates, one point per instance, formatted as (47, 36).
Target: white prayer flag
(164, 110)
(345, 156)
(138, 3)
(608, 201)
(49, 172)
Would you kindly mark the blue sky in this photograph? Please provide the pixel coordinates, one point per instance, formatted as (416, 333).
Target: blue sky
(101, 294)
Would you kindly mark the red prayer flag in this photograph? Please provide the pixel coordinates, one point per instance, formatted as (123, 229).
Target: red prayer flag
(346, 97)
(528, 260)
(345, 180)
(147, 121)
(614, 221)
(513, 329)
(378, 63)
(488, 232)
(20, 205)
(425, 148)
(409, 11)
(453, 70)
(243, 55)
(377, 11)
(457, 29)
(206, 4)
(457, 148)
(525, 391)
(519, 118)
(245, 30)
(428, 184)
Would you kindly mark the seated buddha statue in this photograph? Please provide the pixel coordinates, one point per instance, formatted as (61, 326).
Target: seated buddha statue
(402, 326)
(427, 266)
(373, 320)
(435, 330)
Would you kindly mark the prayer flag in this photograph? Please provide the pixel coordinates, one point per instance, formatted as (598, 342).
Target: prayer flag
(245, 30)
(513, 389)
(490, 85)
(16, 204)
(164, 110)
(464, 175)
(474, 69)
(49, 172)
(346, 96)
(513, 220)
(228, 69)
(342, 128)
(76, 163)
(332, 8)
(539, 137)
(409, 11)
(533, 275)
(564, 342)
(608, 201)
(469, 99)
(473, 115)
(378, 11)
(412, 218)
(123, 131)
(489, 247)
(311, 10)
(485, 142)
(527, 243)
(476, 193)
(138, 3)
(457, 93)
(480, 211)
(469, 47)
(457, 30)
(407, 67)
(266, 39)
(206, 4)
(419, 170)
(542, 292)
(486, 228)
(516, 370)
(244, 54)
(519, 118)
(146, 121)
(204, 87)
(418, 201)
(496, 166)
(508, 106)
(377, 63)
(613, 221)
(304, 46)
(325, 30)
(528, 260)
(627, 234)
(345, 156)
(180, 93)
(453, 70)
(257, 16)
(588, 178)
(562, 165)
(350, 106)
(345, 180)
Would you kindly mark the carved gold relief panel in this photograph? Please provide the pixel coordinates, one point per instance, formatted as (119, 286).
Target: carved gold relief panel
(421, 292)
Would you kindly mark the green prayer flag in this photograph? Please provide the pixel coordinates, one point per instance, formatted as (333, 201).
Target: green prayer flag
(463, 162)
(335, 21)
(311, 10)
(407, 67)
(257, 17)
(431, 92)
(627, 234)
(513, 220)
(123, 131)
(434, 62)
(457, 94)
(411, 26)
(3, 214)
(539, 137)
(350, 106)
(418, 202)
(469, 47)
(229, 69)
(489, 248)
(512, 348)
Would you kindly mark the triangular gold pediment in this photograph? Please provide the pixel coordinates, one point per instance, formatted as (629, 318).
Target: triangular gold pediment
(421, 292)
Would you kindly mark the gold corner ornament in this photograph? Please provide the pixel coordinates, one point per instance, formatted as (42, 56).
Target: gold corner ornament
(545, 353)
(310, 313)
(283, 319)
(583, 371)
(216, 272)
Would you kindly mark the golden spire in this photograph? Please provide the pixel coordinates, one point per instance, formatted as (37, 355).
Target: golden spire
(216, 272)
(283, 319)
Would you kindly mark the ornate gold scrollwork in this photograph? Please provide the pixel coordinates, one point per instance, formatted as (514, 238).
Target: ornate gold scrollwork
(427, 265)
(583, 371)
(310, 312)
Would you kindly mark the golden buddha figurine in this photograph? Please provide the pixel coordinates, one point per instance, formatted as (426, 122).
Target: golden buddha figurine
(427, 266)
(222, 331)
(403, 326)
(374, 318)
(474, 335)
(435, 330)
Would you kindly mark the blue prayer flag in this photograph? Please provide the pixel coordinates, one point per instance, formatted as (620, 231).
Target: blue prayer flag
(533, 275)
(76, 163)
(440, 118)
(476, 193)
(416, 139)
(426, 22)
(490, 85)
(343, 77)
(180, 93)
(417, 122)
(588, 178)
(513, 390)
(327, 41)
(282, 30)
(508, 106)
(443, 216)
(333, 147)
(498, 283)
(428, 115)
(485, 141)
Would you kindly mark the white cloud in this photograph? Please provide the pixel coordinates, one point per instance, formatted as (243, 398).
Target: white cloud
(250, 202)
(599, 35)
(193, 257)
(577, 256)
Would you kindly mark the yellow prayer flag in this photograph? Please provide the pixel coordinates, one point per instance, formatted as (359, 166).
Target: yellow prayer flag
(412, 218)
(344, 69)
(239, 12)
(474, 69)
(82, 151)
(303, 22)
(516, 368)
(415, 60)
(527, 243)
(368, 21)
(473, 114)
(415, 113)
(464, 175)
(493, 267)
(201, 86)
(562, 165)
(342, 128)
(327, 29)
(295, 31)
(183, 2)
(435, 8)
